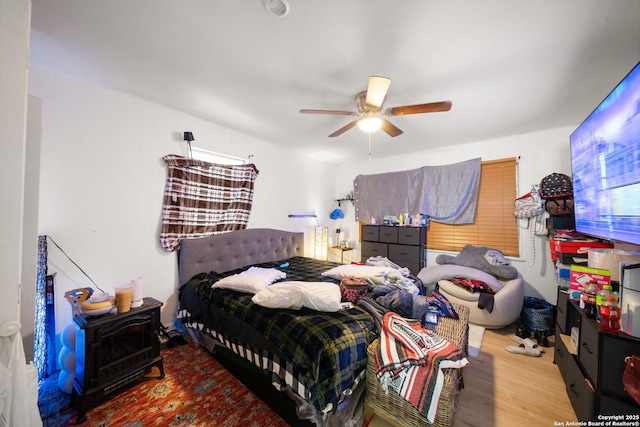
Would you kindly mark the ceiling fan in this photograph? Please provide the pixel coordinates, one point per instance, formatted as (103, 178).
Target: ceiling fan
(369, 105)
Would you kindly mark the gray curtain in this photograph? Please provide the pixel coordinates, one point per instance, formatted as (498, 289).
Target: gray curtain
(447, 193)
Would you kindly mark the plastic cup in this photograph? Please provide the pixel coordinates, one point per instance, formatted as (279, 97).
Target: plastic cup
(123, 298)
(136, 286)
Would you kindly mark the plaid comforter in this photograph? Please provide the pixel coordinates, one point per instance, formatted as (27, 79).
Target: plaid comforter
(328, 349)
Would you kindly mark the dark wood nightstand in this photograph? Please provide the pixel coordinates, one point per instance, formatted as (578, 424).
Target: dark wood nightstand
(113, 351)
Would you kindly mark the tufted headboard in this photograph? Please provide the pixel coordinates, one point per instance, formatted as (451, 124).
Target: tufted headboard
(225, 252)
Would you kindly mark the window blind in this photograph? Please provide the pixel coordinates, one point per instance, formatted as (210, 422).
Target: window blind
(494, 226)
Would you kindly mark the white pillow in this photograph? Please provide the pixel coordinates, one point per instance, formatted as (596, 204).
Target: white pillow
(431, 275)
(356, 270)
(251, 280)
(320, 296)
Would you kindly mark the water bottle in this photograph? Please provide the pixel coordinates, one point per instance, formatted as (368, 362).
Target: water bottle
(610, 315)
(589, 300)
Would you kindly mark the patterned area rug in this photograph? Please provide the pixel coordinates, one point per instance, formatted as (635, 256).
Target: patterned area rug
(196, 391)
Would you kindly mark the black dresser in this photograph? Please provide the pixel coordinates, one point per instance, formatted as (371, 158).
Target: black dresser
(592, 372)
(404, 246)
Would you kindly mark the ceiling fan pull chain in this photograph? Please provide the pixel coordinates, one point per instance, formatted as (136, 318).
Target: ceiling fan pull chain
(369, 146)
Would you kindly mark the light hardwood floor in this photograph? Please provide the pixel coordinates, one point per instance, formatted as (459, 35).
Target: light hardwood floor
(505, 390)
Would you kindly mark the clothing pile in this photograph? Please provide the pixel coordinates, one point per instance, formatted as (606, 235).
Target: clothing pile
(410, 359)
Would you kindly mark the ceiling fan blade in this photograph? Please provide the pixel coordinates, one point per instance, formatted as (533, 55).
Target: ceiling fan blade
(377, 90)
(390, 128)
(337, 112)
(343, 129)
(432, 107)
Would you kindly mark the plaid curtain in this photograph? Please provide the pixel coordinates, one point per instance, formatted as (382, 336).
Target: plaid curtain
(202, 199)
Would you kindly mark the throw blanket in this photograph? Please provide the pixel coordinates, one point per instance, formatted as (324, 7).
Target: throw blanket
(329, 350)
(446, 193)
(410, 361)
(485, 299)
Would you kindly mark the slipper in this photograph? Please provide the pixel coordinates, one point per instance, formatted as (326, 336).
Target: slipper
(527, 342)
(521, 349)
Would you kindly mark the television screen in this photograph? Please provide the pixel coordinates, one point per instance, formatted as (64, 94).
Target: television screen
(605, 163)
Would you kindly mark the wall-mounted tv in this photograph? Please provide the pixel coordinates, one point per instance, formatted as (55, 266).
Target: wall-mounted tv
(605, 163)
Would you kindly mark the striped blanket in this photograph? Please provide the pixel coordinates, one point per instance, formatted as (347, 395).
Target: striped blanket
(410, 361)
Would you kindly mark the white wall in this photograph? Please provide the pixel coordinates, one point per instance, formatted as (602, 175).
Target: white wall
(15, 20)
(540, 154)
(102, 182)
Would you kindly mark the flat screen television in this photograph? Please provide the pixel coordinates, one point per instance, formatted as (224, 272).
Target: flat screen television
(605, 164)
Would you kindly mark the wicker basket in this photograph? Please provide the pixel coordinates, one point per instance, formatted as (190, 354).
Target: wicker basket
(391, 406)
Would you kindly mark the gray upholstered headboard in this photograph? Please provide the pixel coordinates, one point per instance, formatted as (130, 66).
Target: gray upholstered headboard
(225, 252)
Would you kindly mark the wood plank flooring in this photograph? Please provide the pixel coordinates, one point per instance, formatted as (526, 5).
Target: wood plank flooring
(504, 389)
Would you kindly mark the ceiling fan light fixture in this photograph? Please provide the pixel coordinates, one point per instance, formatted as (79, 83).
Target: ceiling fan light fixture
(370, 123)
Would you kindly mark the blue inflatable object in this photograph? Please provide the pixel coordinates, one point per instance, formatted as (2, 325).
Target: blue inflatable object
(336, 213)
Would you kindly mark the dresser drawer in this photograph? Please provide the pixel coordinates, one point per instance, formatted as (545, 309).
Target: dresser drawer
(588, 348)
(614, 350)
(373, 249)
(609, 406)
(580, 395)
(414, 267)
(561, 356)
(399, 253)
(370, 233)
(410, 236)
(389, 234)
(561, 310)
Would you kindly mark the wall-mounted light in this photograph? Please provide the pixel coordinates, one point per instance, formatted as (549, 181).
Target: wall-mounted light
(188, 136)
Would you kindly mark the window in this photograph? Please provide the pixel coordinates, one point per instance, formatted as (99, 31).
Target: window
(495, 225)
(213, 157)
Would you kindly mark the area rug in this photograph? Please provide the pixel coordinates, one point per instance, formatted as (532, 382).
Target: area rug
(476, 334)
(196, 391)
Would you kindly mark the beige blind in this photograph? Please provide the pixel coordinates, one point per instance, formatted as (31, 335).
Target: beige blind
(495, 226)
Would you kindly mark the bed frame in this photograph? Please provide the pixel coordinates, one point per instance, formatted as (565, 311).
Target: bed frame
(237, 249)
(241, 248)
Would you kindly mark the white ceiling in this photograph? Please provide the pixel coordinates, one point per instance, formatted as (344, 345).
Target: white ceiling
(509, 67)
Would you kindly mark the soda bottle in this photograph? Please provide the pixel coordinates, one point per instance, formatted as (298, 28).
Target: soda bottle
(589, 299)
(610, 315)
(601, 297)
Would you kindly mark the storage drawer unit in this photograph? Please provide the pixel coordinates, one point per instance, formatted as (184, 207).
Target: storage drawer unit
(593, 376)
(404, 246)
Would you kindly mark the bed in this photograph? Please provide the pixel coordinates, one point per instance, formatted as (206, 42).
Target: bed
(319, 358)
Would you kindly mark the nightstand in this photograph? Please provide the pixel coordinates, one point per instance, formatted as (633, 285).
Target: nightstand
(113, 351)
(342, 251)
